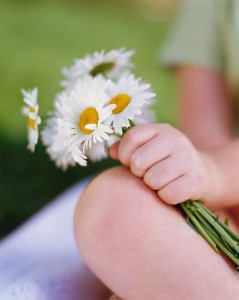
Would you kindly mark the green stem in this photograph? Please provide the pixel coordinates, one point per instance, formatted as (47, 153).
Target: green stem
(233, 234)
(224, 248)
(216, 233)
(199, 227)
(217, 227)
(206, 225)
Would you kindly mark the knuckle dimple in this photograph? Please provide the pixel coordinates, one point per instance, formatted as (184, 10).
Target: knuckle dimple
(136, 164)
(135, 160)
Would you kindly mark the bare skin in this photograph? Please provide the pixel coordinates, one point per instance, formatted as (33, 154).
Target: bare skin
(142, 248)
(208, 118)
(206, 109)
(126, 227)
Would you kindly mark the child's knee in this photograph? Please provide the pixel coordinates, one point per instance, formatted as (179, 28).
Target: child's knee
(115, 230)
(109, 223)
(140, 246)
(100, 210)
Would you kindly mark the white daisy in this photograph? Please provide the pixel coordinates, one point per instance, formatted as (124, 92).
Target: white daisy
(111, 64)
(57, 148)
(129, 95)
(147, 116)
(83, 113)
(70, 78)
(31, 111)
(97, 152)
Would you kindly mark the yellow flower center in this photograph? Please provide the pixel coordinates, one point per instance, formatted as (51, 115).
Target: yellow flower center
(121, 101)
(89, 116)
(31, 122)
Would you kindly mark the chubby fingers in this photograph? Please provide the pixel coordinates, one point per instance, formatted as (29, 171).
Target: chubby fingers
(180, 189)
(165, 159)
(133, 139)
(164, 172)
(130, 150)
(145, 145)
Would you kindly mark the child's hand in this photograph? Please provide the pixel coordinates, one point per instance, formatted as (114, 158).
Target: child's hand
(168, 163)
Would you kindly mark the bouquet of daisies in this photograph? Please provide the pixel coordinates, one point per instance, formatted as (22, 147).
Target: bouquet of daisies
(101, 99)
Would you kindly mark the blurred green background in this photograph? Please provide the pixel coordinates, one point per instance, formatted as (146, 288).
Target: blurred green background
(38, 38)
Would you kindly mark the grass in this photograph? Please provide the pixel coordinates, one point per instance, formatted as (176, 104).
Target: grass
(37, 39)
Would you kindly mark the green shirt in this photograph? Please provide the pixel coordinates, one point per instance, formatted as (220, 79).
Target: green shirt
(206, 33)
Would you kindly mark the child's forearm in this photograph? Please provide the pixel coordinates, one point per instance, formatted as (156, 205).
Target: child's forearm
(225, 165)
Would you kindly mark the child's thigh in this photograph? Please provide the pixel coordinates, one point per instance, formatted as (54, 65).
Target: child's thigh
(142, 248)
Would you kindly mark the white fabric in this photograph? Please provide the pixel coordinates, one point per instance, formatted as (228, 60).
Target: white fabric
(40, 261)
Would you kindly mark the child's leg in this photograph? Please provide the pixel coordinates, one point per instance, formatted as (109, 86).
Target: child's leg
(143, 249)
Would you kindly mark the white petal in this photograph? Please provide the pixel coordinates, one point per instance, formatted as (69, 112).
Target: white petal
(25, 110)
(91, 126)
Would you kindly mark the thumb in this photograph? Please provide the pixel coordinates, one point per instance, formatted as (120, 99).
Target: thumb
(113, 151)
